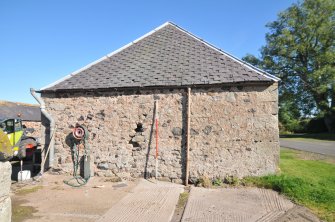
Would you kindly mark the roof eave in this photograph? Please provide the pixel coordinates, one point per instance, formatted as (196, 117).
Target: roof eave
(239, 83)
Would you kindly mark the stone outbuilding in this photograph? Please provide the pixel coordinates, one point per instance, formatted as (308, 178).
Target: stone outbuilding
(221, 109)
(29, 113)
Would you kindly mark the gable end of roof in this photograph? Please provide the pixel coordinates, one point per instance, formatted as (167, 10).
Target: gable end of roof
(161, 80)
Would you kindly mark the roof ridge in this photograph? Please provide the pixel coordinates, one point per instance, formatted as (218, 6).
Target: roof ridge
(18, 103)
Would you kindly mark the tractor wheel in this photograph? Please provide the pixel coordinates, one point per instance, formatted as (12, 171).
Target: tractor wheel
(23, 148)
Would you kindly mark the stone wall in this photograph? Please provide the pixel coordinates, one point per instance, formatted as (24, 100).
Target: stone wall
(5, 182)
(234, 130)
(33, 128)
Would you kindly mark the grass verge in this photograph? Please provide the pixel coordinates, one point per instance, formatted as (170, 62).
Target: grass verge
(307, 182)
(178, 213)
(182, 199)
(311, 136)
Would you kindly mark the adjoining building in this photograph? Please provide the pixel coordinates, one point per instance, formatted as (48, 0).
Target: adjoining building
(29, 113)
(232, 114)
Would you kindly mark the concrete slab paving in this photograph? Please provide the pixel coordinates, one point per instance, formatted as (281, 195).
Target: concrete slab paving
(240, 204)
(148, 201)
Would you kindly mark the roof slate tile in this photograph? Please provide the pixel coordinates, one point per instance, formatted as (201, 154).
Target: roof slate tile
(169, 56)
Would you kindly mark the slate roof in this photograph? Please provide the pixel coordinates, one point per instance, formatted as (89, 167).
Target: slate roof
(23, 111)
(167, 56)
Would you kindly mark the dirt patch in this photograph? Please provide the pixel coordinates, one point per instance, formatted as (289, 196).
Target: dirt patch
(25, 191)
(53, 201)
(21, 212)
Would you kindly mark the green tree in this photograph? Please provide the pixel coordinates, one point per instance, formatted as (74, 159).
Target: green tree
(300, 49)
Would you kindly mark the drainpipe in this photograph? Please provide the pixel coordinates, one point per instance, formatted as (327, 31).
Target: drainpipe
(50, 149)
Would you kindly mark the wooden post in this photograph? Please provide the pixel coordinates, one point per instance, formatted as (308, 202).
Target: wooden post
(156, 124)
(188, 135)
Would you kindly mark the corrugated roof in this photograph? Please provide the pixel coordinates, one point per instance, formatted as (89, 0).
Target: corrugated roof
(166, 56)
(28, 112)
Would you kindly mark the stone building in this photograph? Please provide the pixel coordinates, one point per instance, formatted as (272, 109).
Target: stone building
(233, 119)
(29, 113)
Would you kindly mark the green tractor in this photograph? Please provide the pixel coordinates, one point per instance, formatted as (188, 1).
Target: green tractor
(14, 142)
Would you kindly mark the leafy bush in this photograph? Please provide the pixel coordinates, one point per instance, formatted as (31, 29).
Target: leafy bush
(231, 180)
(316, 125)
(217, 182)
(306, 125)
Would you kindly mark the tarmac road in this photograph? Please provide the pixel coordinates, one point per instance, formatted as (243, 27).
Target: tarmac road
(322, 147)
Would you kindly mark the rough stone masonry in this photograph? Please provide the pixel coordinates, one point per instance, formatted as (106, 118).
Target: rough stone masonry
(234, 130)
(33, 128)
(5, 182)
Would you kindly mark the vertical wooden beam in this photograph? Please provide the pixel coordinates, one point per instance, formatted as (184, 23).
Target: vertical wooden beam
(156, 124)
(188, 122)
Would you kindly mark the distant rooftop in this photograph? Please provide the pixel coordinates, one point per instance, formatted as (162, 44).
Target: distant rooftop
(166, 56)
(24, 111)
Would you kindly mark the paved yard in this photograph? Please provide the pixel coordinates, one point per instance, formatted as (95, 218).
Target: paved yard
(147, 202)
(322, 147)
(242, 204)
(142, 201)
(53, 201)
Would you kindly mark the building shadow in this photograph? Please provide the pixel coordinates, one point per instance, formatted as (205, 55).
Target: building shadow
(182, 143)
(183, 151)
(45, 140)
(146, 173)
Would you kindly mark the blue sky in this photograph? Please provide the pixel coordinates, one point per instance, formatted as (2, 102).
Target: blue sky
(42, 41)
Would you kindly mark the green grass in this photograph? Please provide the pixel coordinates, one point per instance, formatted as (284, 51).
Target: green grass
(29, 190)
(307, 182)
(183, 197)
(311, 136)
(22, 213)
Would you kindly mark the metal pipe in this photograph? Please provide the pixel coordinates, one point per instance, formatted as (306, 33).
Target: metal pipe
(50, 149)
(188, 135)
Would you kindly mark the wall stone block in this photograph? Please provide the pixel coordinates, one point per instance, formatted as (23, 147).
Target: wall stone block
(5, 183)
